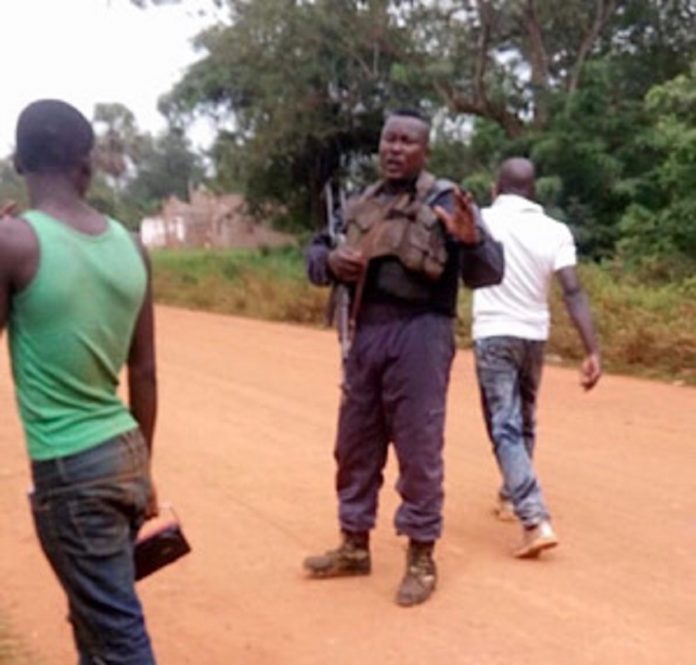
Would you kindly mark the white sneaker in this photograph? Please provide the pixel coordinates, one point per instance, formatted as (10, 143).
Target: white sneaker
(536, 540)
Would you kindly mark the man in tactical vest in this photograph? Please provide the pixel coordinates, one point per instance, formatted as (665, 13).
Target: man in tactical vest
(409, 238)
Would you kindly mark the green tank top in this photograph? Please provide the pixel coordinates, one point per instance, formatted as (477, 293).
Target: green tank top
(70, 331)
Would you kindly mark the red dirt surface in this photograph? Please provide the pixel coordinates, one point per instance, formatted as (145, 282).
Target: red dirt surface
(243, 450)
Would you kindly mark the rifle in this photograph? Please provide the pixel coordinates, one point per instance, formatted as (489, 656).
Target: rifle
(339, 315)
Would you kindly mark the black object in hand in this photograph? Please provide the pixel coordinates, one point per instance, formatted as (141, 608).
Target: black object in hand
(159, 549)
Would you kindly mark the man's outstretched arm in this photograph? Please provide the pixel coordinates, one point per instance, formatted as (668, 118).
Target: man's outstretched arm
(578, 307)
(482, 260)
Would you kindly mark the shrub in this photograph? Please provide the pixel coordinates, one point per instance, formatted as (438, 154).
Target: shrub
(646, 328)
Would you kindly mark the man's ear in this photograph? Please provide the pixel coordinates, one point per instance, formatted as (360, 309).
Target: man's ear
(84, 174)
(86, 169)
(17, 164)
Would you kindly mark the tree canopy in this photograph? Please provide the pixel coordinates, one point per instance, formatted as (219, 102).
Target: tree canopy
(135, 171)
(599, 93)
(660, 220)
(300, 89)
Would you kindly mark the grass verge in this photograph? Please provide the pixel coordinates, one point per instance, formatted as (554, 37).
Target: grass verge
(645, 330)
(264, 284)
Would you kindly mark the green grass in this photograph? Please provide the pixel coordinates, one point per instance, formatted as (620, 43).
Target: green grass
(645, 330)
(265, 284)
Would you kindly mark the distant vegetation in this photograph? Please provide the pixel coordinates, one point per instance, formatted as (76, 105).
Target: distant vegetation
(134, 171)
(265, 284)
(601, 94)
(645, 330)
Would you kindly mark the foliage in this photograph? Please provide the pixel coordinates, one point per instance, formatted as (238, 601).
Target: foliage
(135, 171)
(597, 92)
(660, 223)
(11, 185)
(300, 88)
(303, 86)
(266, 283)
(648, 330)
(166, 167)
(118, 140)
(645, 329)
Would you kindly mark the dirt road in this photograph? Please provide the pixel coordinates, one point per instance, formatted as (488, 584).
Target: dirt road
(244, 452)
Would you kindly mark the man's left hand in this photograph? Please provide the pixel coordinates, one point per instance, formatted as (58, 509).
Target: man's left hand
(461, 223)
(590, 371)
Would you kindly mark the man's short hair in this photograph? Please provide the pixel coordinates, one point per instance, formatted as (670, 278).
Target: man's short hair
(409, 113)
(52, 136)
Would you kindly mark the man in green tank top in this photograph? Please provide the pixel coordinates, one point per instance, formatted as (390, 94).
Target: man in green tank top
(75, 296)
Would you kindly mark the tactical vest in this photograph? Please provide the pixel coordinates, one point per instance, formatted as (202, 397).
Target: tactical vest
(404, 226)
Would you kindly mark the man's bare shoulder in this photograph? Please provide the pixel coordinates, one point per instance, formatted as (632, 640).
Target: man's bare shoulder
(18, 243)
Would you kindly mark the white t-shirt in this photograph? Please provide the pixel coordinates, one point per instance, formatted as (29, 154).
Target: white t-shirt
(536, 246)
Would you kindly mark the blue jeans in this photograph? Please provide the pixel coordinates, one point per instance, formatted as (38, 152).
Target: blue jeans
(87, 510)
(509, 373)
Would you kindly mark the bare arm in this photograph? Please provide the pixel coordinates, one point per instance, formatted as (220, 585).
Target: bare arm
(142, 368)
(6, 208)
(4, 287)
(17, 258)
(579, 310)
(142, 374)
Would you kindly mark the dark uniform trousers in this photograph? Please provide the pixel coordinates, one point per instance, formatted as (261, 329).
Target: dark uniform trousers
(395, 389)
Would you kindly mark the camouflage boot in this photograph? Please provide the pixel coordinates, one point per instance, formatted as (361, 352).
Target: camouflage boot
(351, 557)
(421, 575)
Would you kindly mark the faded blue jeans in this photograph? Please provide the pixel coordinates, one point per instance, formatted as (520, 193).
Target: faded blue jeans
(87, 510)
(509, 373)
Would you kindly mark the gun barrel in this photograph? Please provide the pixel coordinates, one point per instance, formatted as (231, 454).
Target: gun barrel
(341, 313)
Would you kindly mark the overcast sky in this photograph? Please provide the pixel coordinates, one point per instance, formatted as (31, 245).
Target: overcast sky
(89, 51)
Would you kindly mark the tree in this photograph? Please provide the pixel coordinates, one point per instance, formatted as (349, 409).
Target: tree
(300, 89)
(660, 223)
(116, 156)
(118, 140)
(302, 86)
(580, 116)
(135, 171)
(167, 166)
(507, 60)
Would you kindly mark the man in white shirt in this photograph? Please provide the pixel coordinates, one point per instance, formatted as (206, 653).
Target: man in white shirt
(510, 328)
